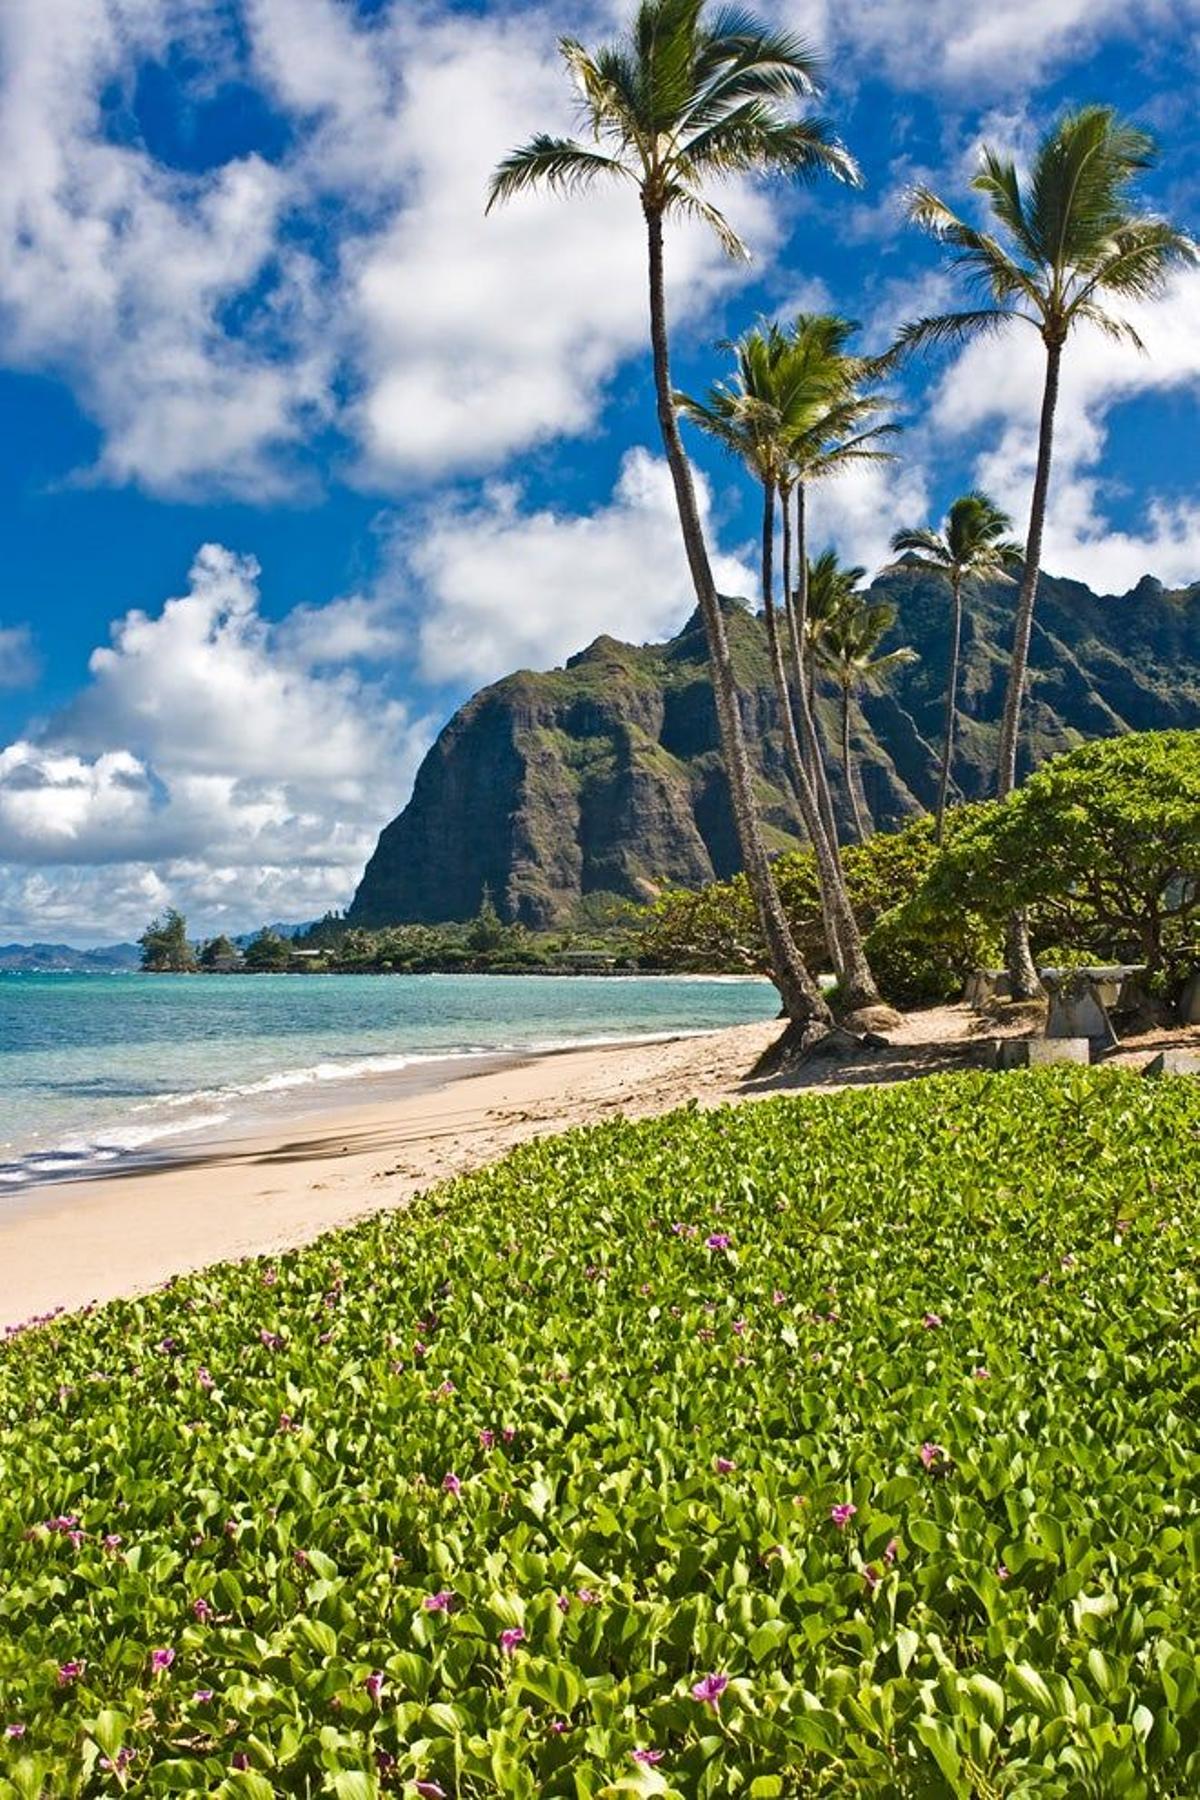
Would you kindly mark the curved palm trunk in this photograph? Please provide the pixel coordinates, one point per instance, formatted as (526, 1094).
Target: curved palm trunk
(951, 704)
(842, 936)
(1022, 973)
(802, 999)
(848, 765)
(797, 618)
(856, 977)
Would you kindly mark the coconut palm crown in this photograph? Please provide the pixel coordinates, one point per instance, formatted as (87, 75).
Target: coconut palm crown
(849, 646)
(690, 95)
(971, 547)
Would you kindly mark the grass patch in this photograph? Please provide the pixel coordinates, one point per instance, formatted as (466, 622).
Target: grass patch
(836, 1446)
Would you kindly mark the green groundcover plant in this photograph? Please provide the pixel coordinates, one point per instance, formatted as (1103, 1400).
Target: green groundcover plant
(844, 1445)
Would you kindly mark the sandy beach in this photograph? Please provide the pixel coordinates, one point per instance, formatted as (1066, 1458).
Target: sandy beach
(252, 1191)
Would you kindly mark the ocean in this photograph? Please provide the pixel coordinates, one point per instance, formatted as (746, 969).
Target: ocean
(100, 1070)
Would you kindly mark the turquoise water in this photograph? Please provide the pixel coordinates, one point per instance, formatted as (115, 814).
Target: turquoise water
(94, 1068)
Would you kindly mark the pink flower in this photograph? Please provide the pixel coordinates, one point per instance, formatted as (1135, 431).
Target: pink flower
(1001, 1573)
(709, 1690)
(558, 1726)
(508, 1433)
(120, 1762)
(429, 1790)
(892, 1550)
(717, 1240)
(286, 1423)
(586, 1597)
(739, 1327)
(239, 1760)
(724, 1466)
(161, 1659)
(202, 1609)
(648, 1757)
(563, 1603)
(374, 1684)
(112, 1540)
(487, 1437)
(931, 1321)
(929, 1454)
(16, 1730)
(441, 1602)
(778, 1297)
(511, 1638)
(69, 1672)
(451, 1483)
(871, 1576)
(982, 1374)
(271, 1339)
(842, 1515)
(202, 1696)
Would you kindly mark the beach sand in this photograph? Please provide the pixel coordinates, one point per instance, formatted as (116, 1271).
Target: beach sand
(259, 1190)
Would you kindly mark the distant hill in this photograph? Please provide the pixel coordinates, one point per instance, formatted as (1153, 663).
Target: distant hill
(604, 777)
(47, 959)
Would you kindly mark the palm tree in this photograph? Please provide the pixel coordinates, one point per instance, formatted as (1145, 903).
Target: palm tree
(689, 96)
(828, 591)
(848, 649)
(754, 416)
(1071, 240)
(971, 547)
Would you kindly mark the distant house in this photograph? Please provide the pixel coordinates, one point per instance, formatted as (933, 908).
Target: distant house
(227, 965)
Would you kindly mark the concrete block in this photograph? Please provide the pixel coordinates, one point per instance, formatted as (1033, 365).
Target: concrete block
(1036, 1053)
(1174, 1062)
(1076, 1010)
(1189, 1001)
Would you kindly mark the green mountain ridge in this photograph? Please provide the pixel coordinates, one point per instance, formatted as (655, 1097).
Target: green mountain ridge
(603, 777)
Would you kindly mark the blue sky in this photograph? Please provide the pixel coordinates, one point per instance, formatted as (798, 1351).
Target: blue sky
(299, 449)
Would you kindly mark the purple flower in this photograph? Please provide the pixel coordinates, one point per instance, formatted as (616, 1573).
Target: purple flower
(558, 1726)
(892, 1550)
(161, 1659)
(202, 1696)
(717, 1240)
(429, 1790)
(931, 1321)
(112, 1540)
(739, 1327)
(239, 1760)
(487, 1437)
(648, 1757)
(842, 1515)
(286, 1423)
(442, 1601)
(120, 1762)
(929, 1454)
(709, 1690)
(586, 1597)
(271, 1339)
(202, 1609)
(16, 1730)
(982, 1374)
(69, 1672)
(778, 1297)
(724, 1466)
(451, 1483)
(871, 1576)
(374, 1684)
(508, 1433)
(563, 1603)
(1001, 1572)
(511, 1638)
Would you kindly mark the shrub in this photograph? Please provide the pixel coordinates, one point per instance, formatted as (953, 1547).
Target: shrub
(842, 1446)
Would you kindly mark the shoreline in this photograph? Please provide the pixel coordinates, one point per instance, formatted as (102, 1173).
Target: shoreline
(249, 1191)
(258, 1187)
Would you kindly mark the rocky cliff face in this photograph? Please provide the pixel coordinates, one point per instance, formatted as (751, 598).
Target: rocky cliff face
(604, 777)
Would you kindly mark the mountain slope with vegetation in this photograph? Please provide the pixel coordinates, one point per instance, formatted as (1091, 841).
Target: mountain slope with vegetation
(604, 777)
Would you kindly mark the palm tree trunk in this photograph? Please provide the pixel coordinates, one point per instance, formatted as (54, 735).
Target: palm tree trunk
(803, 1001)
(842, 936)
(797, 619)
(848, 765)
(855, 975)
(1023, 974)
(951, 702)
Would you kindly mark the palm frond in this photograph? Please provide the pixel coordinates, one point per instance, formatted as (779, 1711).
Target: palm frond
(953, 328)
(754, 137)
(560, 164)
(688, 204)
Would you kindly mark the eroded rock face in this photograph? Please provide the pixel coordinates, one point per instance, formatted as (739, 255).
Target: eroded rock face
(604, 777)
